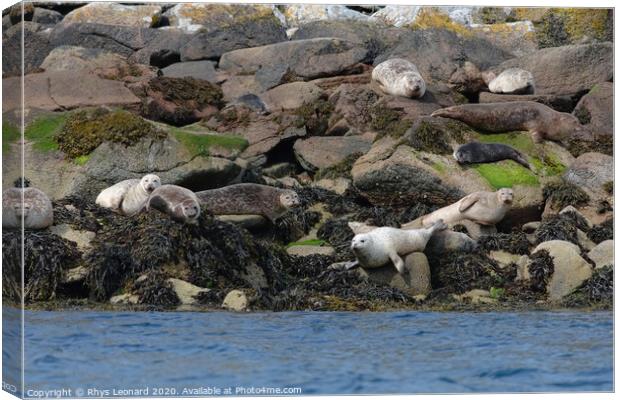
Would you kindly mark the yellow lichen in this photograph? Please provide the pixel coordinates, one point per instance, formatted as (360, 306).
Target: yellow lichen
(432, 17)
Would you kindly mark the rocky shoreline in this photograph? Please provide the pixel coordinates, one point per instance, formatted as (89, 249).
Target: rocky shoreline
(210, 95)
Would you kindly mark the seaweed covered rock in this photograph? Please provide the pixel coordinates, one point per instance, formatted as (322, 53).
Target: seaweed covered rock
(47, 256)
(602, 254)
(602, 232)
(564, 194)
(515, 242)
(595, 110)
(415, 281)
(569, 268)
(458, 272)
(180, 101)
(597, 291)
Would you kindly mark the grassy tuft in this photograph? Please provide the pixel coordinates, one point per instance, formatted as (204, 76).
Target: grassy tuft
(10, 134)
(42, 131)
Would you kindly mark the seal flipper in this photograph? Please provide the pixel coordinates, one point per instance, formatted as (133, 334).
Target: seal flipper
(521, 160)
(398, 262)
(468, 201)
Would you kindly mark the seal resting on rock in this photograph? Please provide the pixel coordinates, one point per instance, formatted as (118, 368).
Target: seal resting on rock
(513, 81)
(484, 208)
(179, 203)
(475, 152)
(129, 196)
(249, 198)
(399, 77)
(36, 209)
(541, 121)
(376, 248)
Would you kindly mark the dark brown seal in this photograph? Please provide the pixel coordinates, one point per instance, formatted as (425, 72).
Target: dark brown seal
(179, 203)
(541, 121)
(249, 198)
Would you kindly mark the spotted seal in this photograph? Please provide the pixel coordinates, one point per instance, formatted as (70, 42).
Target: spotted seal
(36, 208)
(129, 196)
(399, 77)
(249, 198)
(379, 246)
(179, 203)
(541, 121)
(476, 152)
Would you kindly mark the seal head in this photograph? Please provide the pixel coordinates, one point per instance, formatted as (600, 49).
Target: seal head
(505, 196)
(290, 199)
(150, 182)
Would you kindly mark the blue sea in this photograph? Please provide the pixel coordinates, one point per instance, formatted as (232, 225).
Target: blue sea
(105, 354)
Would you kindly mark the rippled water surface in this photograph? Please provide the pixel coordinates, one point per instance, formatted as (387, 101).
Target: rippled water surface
(327, 353)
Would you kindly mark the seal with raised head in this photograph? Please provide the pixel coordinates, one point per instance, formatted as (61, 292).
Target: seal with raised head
(179, 203)
(476, 152)
(379, 246)
(129, 196)
(249, 198)
(399, 77)
(541, 121)
(484, 208)
(36, 208)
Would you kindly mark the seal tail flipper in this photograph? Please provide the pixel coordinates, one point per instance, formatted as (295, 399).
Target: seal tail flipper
(442, 112)
(521, 160)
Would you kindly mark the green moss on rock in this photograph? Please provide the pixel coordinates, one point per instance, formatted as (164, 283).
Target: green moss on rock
(506, 174)
(10, 134)
(387, 121)
(43, 130)
(85, 130)
(314, 116)
(199, 144)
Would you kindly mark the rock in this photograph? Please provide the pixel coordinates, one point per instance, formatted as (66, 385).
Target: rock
(476, 296)
(308, 250)
(213, 40)
(570, 269)
(602, 254)
(566, 70)
(595, 109)
(67, 90)
(562, 103)
(590, 171)
(193, 16)
(439, 52)
(74, 275)
(240, 85)
(306, 59)
(415, 281)
(323, 152)
(186, 292)
(337, 185)
(36, 48)
(126, 298)
(517, 38)
(81, 238)
(291, 96)
(46, 17)
(19, 13)
(467, 79)
(571, 209)
(249, 222)
(105, 65)
(114, 14)
(475, 230)
(352, 105)
(396, 15)
(265, 133)
(446, 241)
(357, 31)
(531, 227)
(280, 170)
(504, 258)
(513, 81)
(235, 300)
(527, 205)
(584, 242)
(203, 70)
(301, 14)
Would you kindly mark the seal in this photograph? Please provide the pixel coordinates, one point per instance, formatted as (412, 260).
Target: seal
(541, 121)
(379, 246)
(129, 196)
(513, 81)
(179, 203)
(475, 152)
(399, 77)
(249, 198)
(484, 208)
(36, 208)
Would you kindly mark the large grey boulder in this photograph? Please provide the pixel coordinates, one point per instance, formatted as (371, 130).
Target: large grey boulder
(291, 96)
(323, 152)
(114, 14)
(596, 109)
(590, 171)
(602, 254)
(204, 70)
(36, 48)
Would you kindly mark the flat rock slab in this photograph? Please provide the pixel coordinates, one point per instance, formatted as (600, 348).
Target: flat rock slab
(291, 96)
(60, 90)
(302, 250)
(194, 69)
(322, 152)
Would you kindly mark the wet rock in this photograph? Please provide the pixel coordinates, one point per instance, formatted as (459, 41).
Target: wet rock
(513, 81)
(590, 171)
(114, 14)
(306, 59)
(67, 90)
(235, 300)
(570, 269)
(185, 291)
(301, 14)
(324, 152)
(595, 109)
(566, 70)
(105, 65)
(415, 281)
(203, 70)
(562, 103)
(36, 48)
(126, 298)
(81, 238)
(307, 250)
(291, 96)
(602, 254)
